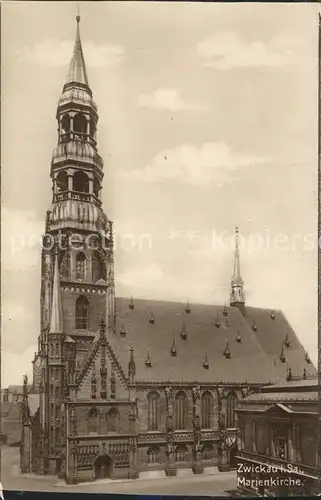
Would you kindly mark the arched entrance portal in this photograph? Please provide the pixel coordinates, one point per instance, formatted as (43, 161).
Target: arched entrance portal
(103, 467)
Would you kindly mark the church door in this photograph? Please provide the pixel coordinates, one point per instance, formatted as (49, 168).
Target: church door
(103, 467)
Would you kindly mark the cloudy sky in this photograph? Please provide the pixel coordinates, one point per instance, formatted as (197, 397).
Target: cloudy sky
(208, 119)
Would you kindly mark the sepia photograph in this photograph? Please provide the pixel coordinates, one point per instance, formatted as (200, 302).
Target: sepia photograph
(159, 251)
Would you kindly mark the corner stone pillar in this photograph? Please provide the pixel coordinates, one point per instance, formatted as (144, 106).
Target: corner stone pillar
(197, 467)
(170, 468)
(132, 452)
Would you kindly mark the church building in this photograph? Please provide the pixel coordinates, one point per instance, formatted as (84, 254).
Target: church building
(123, 387)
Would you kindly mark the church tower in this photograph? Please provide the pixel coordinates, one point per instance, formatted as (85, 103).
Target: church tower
(237, 295)
(77, 275)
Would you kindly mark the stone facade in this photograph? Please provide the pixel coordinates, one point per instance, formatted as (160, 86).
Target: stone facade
(122, 387)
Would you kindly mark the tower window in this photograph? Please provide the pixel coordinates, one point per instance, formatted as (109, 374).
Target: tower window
(80, 124)
(80, 266)
(230, 414)
(207, 404)
(82, 306)
(65, 123)
(81, 182)
(62, 182)
(153, 403)
(180, 410)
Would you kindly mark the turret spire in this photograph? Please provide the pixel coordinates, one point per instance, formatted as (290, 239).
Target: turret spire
(77, 69)
(237, 297)
(56, 322)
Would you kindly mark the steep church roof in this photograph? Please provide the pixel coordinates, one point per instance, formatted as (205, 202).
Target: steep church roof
(254, 352)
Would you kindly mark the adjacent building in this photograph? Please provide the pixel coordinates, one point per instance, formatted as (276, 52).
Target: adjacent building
(278, 440)
(124, 386)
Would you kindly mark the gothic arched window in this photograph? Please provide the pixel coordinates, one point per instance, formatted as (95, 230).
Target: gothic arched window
(80, 123)
(93, 418)
(230, 409)
(153, 455)
(103, 428)
(180, 453)
(207, 406)
(65, 123)
(112, 420)
(153, 411)
(180, 410)
(80, 266)
(82, 306)
(62, 182)
(81, 183)
(207, 451)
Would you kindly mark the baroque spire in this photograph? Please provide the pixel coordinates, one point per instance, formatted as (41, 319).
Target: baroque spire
(56, 321)
(237, 296)
(77, 69)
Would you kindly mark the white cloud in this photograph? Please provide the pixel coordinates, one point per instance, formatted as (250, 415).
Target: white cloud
(226, 51)
(165, 99)
(212, 163)
(141, 277)
(55, 53)
(21, 239)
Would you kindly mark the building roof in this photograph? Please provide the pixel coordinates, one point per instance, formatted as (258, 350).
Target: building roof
(255, 358)
(294, 386)
(298, 396)
(77, 69)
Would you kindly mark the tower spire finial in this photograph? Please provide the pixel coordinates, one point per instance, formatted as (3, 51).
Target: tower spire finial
(77, 69)
(237, 296)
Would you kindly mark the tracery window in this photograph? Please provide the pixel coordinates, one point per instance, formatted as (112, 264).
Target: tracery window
(153, 455)
(82, 307)
(153, 411)
(180, 453)
(208, 451)
(112, 420)
(230, 409)
(207, 406)
(80, 266)
(180, 410)
(93, 417)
